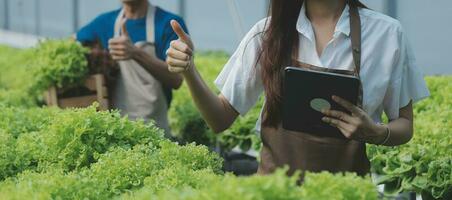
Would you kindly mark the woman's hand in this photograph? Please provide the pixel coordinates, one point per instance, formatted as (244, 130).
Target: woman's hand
(216, 110)
(180, 53)
(357, 126)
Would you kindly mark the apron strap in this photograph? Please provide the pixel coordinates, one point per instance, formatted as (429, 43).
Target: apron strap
(150, 24)
(355, 34)
(118, 21)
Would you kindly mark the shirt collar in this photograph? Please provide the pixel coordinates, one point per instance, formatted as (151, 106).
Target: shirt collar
(343, 25)
(304, 25)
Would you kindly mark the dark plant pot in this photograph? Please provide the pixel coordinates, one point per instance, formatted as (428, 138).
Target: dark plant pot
(428, 196)
(239, 164)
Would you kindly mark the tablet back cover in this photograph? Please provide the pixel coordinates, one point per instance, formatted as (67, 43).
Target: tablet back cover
(306, 92)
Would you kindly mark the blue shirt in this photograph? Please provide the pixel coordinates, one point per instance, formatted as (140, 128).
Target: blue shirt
(102, 29)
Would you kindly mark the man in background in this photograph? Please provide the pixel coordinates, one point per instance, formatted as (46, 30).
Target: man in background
(137, 37)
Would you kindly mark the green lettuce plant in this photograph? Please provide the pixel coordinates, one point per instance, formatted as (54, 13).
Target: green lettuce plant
(424, 165)
(60, 63)
(273, 187)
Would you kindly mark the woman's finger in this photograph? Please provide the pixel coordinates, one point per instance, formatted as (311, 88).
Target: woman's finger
(338, 115)
(347, 105)
(177, 63)
(334, 122)
(176, 69)
(181, 46)
(345, 133)
(177, 28)
(171, 52)
(337, 123)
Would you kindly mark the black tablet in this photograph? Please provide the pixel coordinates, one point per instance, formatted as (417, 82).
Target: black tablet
(307, 92)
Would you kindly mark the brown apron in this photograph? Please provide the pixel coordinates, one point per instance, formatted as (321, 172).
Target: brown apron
(308, 152)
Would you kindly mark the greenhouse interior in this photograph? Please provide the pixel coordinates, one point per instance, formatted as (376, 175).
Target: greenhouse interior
(211, 100)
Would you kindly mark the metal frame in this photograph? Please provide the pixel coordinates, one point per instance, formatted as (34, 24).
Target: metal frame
(391, 8)
(6, 15)
(267, 6)
(75, 15)
(38, 17)
(236, 19)
(182, 8)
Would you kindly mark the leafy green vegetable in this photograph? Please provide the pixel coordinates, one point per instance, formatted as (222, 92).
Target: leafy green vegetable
(83, 153)
(51, 185)
(17, 98)
(47, 153)
(7, 154)
(127, 169)
(26, 74)
(15, 77)
(424, 165)
(63, 63)
(67, 139)
(272, 187)
(60, 63)
(243, 132)
(340, 187)
(17, 121)
(15, 68)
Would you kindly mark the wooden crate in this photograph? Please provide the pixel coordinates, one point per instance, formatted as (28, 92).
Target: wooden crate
(95, 83)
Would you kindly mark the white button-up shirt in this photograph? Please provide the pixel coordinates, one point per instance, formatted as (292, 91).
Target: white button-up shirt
(389, 74)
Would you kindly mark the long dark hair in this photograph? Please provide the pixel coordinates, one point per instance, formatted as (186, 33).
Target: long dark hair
(280, 41)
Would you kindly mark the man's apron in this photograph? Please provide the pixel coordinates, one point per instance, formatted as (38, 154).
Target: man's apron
(137, 93)
(308, 152)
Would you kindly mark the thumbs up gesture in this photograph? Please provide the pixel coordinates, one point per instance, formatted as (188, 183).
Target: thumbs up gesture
(121, 48)
(180, 53)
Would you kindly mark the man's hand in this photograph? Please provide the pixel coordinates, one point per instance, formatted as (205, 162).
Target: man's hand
(121, 48)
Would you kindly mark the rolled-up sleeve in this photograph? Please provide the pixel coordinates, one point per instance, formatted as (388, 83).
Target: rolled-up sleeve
(240, 80)
(407, 81)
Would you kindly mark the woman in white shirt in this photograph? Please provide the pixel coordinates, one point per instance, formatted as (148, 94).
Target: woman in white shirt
(330, 35)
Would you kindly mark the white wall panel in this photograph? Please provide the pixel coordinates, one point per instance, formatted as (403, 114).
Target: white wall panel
(22, 16)
(89, 9)
(2, 14)
(169, 5)
(56, 18)
(428, 25)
